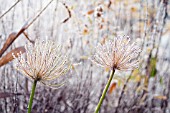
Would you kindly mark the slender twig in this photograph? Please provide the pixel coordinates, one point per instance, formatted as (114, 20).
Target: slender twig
(54, 19)
(122, 93)
(10, 8)
(26, 35)
(35, 18)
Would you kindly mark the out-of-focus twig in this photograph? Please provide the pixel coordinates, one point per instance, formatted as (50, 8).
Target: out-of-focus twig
(109, 4)
(35, 18)
(122, 92)
(7, 94)
(10, 8)
(164, 16)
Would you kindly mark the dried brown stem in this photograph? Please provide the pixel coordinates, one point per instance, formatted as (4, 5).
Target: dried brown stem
(69, 13)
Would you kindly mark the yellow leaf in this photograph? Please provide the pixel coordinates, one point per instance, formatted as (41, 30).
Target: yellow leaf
(72, 66)
(135, 72)
(126, 2)
(107, 69)
(84, 57)
(160, 97)
(120, 80)
(148, 50)
(145, 88)
(90, 20)
(139, 89)
(138, 78)
(133, 9)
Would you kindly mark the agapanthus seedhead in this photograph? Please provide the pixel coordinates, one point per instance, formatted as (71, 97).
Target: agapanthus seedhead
(118, 53)
(44, 62)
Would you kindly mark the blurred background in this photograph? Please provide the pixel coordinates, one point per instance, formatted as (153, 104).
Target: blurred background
(78, 25)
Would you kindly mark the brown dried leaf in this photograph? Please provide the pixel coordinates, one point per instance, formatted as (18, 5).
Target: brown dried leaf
(8, 57)
(8, 42)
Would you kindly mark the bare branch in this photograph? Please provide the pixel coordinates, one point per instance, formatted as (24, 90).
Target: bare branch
(10, 9)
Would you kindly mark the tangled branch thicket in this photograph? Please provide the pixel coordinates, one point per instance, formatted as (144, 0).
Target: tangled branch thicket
(78, 26)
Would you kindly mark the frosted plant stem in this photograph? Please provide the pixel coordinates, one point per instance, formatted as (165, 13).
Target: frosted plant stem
(32, 96)
(104, 92)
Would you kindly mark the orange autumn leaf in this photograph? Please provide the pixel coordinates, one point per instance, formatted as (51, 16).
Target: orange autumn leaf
(90, 12)
(85, 31)
(133, 9)
(112, 87)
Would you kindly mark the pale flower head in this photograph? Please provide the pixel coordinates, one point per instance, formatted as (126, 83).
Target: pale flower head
(118, 53)
(43, 62)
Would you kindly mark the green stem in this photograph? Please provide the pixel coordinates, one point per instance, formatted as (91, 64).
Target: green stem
(32, 96)
(104, 92)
